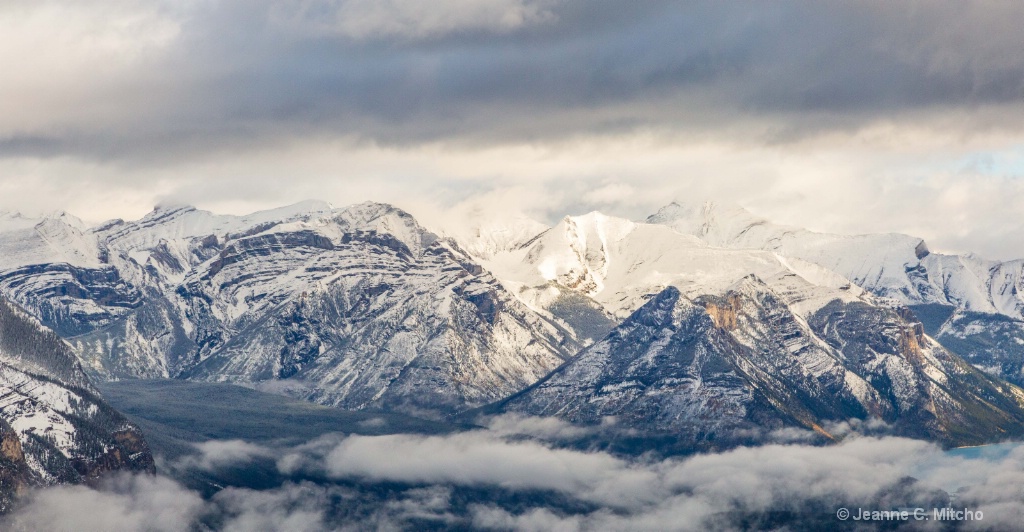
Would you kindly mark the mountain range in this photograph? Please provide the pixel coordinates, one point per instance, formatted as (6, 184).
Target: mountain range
(701, 322)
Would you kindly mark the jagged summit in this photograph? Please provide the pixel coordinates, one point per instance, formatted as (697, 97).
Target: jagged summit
(385, 218)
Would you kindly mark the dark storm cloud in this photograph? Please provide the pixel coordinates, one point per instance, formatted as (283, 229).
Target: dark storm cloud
(239, 74)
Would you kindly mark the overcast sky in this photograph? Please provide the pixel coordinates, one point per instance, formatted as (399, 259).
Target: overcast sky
(842, 116)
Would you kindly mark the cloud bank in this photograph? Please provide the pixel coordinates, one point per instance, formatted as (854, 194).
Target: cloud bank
(851, 117)
(502, 479)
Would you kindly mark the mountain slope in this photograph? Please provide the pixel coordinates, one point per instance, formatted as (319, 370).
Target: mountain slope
(716, 369)
(617, 265)
(889, 265)
(894, 266)
(376, 312)
(358, 307)
(54, 427)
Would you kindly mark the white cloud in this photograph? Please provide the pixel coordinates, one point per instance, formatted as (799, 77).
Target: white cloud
(865, 187)
(126, 502)
(218, 454)
(544, 428)
(108, 106)
(611, 193)
(293, 507)
(450, 480)
(484, 458)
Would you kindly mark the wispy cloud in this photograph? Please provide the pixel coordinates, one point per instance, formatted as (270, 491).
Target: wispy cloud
(218, 454)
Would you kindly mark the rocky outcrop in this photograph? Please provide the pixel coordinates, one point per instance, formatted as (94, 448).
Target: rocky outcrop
(723, 310)
(16, 477)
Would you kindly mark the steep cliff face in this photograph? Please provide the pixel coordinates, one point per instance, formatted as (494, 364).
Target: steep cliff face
(717, 369)
(723, 312)
(16, 477)
(54, 427)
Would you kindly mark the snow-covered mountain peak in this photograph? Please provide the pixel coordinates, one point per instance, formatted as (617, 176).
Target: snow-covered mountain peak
(306, 209)
(485, 227)
(386, 219)
(580, 251)
(677, 211)
(618, 264)
(369, 212)
(53, 239)
(174, 222)
(871, 260)
(68, 219)
(162, 223)
(10, 220)
(715, 223)
(483, 234)
(890, 265)
(601, 225)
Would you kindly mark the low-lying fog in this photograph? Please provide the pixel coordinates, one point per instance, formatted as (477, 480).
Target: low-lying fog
(516, 473)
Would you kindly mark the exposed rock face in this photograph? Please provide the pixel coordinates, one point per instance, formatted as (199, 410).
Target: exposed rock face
(54, 428)
(358, 307)
(723, 313)
(715, 369)
(993, 343)
(75, 300)
(921, 250)
(15, 475)
(10, 447)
